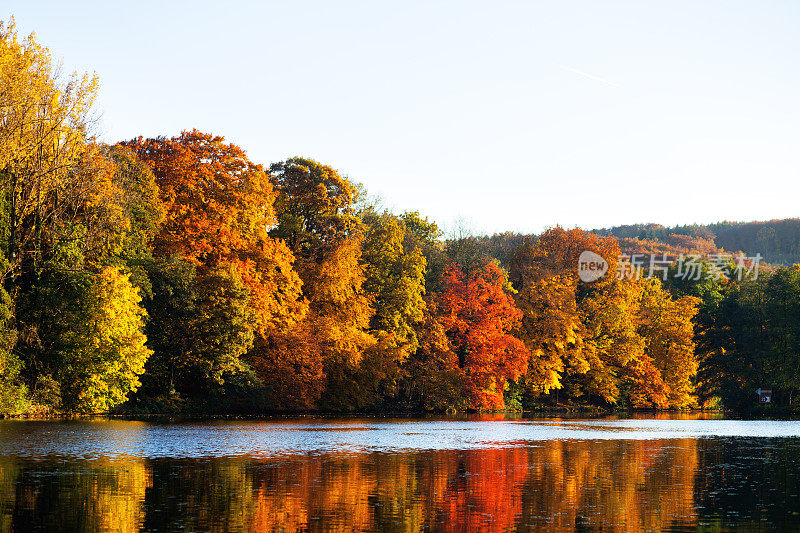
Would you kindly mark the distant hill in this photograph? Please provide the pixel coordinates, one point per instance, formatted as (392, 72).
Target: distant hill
(778, 241)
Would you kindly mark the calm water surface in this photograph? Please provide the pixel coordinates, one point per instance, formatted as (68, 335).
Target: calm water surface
(481, 474)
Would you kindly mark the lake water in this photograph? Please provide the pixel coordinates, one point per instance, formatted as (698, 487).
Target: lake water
(480, 474)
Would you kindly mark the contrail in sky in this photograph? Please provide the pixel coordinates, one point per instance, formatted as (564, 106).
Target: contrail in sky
(590, 76)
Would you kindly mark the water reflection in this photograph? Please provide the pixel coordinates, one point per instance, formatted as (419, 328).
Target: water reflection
(52, 495)
(644, 485)
(643, 474)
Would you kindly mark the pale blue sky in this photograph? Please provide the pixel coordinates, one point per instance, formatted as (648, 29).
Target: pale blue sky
(515, 116)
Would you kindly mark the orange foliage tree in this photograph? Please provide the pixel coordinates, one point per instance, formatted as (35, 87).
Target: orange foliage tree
(219, 206)
(556, 252)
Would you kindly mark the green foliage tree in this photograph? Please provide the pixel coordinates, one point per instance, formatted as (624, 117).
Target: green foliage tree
(748, 340)
(222, 327)
(171, 307)
(200, 329)
(426, 234)
(13, 393)
(314, 207)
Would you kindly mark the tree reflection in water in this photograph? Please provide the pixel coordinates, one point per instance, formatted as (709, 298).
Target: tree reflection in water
(644, 485)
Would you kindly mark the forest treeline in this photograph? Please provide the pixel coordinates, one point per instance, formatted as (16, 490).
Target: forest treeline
(778, 241)
(172, 274)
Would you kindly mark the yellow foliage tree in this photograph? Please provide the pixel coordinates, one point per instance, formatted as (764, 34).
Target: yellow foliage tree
(395, 277)
(43, 130)
(668, 332)
(105, 346)
(552, 330)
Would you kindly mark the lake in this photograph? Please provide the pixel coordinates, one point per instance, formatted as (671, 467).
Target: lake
(497, 473)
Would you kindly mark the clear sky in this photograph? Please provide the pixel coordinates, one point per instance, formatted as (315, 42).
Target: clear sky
(513, 116)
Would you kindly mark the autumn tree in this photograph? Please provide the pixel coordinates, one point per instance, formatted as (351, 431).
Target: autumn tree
(478, 316)
(323, 353)
(315, 213)
(72, 212)
(291, 368)
(394, 269)
(552, 330)
(43, 131)
(218, 210)
(394, 281)
(434, 380)
(615, 340)
(84, 238)
(608, 312)
(113, 218)
(552, 301)
(556, 252)
(339, 316)
(667, 327)
(426, 234)
(314, 207)
(142, 213)
(219, 207)
(98, 346)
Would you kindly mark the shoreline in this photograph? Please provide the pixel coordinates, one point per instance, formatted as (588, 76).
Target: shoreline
(571, 412)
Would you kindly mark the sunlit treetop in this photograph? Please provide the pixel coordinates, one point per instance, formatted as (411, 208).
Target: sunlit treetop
(217, 201)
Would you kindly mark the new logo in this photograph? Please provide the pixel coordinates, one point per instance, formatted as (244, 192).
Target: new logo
(591, 266)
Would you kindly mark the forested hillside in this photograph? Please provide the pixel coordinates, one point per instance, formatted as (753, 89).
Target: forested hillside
(778, 241)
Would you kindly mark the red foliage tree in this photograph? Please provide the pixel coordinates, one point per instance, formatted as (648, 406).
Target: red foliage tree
(478, 314)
